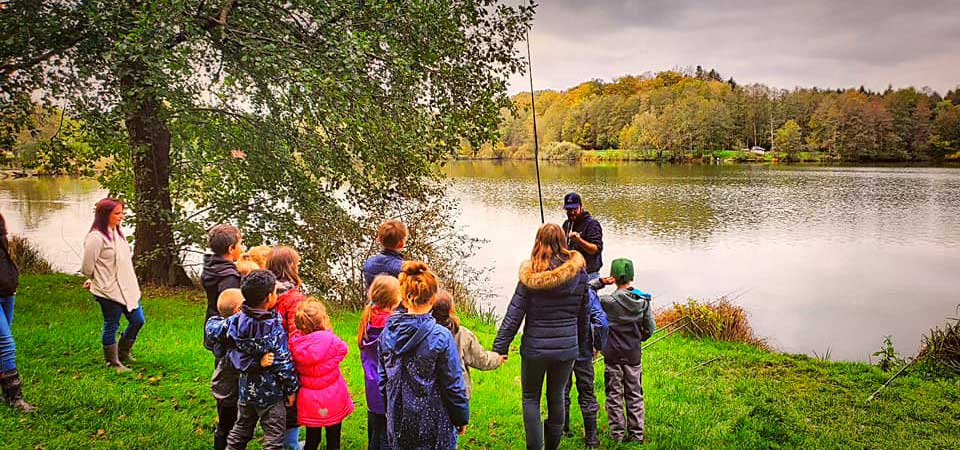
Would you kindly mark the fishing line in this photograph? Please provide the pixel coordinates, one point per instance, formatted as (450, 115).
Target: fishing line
(536, 141)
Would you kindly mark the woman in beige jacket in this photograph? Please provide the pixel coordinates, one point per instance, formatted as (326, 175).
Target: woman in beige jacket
(108, 266)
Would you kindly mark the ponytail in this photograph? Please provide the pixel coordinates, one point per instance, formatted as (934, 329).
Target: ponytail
(418, 284)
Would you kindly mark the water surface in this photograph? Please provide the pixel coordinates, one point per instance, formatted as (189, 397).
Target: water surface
(823, 258)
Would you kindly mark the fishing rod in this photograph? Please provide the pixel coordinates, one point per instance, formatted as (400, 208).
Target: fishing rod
(536, 141)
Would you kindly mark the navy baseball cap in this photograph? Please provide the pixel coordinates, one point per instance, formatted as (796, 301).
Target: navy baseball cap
(572, 201)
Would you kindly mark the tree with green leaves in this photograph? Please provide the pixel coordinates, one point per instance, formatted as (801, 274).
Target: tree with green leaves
(288, 118)
(789, 140)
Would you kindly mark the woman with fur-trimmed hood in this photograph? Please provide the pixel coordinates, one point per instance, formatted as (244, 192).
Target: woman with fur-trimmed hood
(552, 295)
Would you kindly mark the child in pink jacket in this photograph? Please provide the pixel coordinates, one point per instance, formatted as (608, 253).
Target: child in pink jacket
(323, 401)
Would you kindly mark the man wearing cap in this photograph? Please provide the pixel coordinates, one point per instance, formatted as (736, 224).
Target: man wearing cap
(585, 235)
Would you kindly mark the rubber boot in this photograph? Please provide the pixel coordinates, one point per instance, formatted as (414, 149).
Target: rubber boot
(123, 350)
(590, 437)
(112, 359)
(219, 442)
(552, 434)
(13, 391)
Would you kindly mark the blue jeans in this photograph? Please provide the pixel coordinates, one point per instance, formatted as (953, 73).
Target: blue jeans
(8, 348)
(111, 321)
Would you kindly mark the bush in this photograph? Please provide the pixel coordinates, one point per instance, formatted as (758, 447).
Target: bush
(720, 320)
(491, 151)
(524, 151)
(561, 151)
(942, 345)
(28, 257)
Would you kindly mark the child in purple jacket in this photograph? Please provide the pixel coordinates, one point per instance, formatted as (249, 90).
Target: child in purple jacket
(384, 295)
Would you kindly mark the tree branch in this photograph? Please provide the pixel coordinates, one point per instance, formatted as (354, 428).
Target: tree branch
(8, 69)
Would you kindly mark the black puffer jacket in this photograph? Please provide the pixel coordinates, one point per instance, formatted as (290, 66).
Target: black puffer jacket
(9, 275)
(219, 274)
(554, 303)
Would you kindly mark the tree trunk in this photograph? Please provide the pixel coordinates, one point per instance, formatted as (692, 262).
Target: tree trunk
(156, 254)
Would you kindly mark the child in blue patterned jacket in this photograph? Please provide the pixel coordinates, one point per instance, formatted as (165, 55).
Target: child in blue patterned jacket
(255, 332)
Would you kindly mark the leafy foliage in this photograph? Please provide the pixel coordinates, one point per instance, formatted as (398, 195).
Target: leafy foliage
(889, 359)
(680, 114)
(301, 122)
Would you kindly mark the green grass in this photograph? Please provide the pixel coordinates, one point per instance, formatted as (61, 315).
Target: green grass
(746, 398)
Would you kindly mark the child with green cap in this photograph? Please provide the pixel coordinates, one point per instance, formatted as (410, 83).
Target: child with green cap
(630, 318)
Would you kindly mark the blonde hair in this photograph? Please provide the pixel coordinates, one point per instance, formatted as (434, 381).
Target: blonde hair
(284, 262)
(246, 266)
(258, 255)
(384, 293)
(228, 301)
(550, 244)
(418, 284)
(391, 233)
(312, 316)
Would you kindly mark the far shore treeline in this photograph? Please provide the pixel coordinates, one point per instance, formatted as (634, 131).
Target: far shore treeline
(693, 113)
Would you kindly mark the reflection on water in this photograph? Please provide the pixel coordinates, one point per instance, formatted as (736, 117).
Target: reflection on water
(822, 257)
(53, 212)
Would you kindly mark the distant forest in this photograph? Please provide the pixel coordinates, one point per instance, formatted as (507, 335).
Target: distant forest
(675, 114)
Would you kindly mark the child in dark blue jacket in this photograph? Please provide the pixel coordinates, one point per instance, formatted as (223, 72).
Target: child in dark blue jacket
(420, 375)
(264, 392)
(392, 236)
(591, 340)
(225, 383)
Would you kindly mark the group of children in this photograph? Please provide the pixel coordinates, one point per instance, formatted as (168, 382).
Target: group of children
(277, 358)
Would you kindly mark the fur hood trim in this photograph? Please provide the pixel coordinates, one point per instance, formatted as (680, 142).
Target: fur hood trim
(552, 278)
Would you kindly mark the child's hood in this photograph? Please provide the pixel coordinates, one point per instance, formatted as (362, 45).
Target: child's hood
(254, 332)
(631, 302)
(217, 267)
(378, 320)
(404, 332)
(319, 346)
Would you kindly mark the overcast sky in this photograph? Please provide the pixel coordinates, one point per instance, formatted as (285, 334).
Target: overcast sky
(824, 43)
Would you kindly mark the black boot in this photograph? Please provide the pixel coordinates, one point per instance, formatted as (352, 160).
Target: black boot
(551, 436)
(123, 350)
(13, 391)
(590, 437)
(566, 422)
(219, 442)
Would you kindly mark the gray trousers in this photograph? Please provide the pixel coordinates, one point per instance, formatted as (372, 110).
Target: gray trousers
(586, 397)
(624, 391)
(273, 420)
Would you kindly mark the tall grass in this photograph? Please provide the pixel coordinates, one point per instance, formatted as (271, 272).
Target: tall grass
(719, 320)
(942, 345)
(28, 257)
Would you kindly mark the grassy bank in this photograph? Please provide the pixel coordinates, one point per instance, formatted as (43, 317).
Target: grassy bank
(742, 398)
(616, 155)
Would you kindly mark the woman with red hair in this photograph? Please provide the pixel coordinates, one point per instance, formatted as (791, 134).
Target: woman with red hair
(108, 266)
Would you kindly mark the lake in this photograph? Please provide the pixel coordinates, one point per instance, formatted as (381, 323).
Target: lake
(822, 258)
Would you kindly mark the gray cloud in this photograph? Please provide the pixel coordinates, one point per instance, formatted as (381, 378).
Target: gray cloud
(780, 43)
